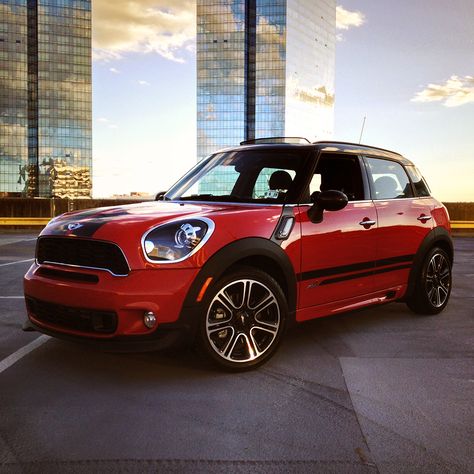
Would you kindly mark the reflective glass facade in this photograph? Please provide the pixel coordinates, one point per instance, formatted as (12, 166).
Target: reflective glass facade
(45, 98)
(310, 68)
(264, 68)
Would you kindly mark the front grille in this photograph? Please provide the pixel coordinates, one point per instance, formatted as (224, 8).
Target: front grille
(79, 319)
(82, 253)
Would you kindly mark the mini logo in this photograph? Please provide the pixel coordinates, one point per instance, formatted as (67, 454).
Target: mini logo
(74, 226)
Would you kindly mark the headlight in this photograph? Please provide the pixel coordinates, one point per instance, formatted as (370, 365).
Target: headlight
(175, 241)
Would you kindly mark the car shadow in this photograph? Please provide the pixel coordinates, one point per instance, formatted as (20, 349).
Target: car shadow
(327, 336)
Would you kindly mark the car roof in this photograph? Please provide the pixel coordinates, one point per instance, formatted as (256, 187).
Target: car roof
(328, 146)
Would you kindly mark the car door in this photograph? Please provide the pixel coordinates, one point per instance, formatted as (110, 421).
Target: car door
(338, 253)
(404, 220)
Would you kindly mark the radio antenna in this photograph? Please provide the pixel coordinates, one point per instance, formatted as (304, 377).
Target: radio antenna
(362, 129)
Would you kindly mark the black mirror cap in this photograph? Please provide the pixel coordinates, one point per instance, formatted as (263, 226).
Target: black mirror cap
(160, 196)
(332, 200)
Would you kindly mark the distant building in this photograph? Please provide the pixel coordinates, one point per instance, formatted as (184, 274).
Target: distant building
(45, 98)
(264, 68)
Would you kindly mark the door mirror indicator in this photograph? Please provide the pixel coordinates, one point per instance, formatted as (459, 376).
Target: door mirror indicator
(331, 200)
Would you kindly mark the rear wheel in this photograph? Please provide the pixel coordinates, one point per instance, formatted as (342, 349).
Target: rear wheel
(244, 319)
(433, 284)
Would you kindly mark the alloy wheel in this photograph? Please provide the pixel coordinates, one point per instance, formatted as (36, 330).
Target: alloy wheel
(243, 321)
(438, 280)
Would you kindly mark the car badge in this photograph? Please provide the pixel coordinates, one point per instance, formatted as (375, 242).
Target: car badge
(74, 226)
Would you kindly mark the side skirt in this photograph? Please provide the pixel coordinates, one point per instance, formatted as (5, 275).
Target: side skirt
(335, 307)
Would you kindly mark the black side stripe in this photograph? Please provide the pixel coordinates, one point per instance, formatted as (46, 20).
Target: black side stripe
(393, 260)
(372, 265)
(362, 275)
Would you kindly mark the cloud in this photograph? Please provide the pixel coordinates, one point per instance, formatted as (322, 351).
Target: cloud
(114, 70)
(316, 96)
(106, 122)
(165, 27)
(141, 82)
(346, 19)
(454, 92)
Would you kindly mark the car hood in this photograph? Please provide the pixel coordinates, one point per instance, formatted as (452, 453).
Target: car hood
(101, 222)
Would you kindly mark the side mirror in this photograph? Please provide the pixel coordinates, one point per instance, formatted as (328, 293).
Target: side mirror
(331, 200)
(160, 196)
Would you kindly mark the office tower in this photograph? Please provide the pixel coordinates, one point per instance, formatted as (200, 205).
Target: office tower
(45, 98)
(264, 68)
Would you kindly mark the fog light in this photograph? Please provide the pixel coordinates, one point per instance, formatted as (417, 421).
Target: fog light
(149, 319)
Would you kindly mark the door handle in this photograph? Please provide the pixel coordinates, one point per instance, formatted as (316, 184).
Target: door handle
(424, 218)
(366, 222)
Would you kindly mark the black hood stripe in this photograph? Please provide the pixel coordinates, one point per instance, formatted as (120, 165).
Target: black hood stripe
(85, 224)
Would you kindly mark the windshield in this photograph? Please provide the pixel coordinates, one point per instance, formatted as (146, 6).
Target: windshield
(260, 176)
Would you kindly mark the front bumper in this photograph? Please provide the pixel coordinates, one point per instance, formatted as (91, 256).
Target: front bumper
(161, 291)
(165, 336)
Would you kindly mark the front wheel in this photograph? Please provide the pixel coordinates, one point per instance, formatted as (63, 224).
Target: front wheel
(244, 319)
(433, 284)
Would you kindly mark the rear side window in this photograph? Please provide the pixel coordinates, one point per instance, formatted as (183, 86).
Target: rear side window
(421, 187)
(388, 179)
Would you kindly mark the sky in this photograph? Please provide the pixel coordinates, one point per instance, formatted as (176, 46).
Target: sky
(407, 66)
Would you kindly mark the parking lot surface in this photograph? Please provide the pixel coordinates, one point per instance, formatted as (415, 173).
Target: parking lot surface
(378, 390)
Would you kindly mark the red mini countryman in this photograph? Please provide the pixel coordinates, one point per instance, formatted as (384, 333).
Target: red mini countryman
(252, 239)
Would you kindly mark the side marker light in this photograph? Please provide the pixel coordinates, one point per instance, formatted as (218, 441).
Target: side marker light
(284, 229)
(203, 289)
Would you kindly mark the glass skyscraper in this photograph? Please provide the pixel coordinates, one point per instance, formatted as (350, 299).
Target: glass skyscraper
(45, 98)
(264, 68)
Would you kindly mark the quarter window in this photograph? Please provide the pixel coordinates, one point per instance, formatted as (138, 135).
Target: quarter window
(388, 179)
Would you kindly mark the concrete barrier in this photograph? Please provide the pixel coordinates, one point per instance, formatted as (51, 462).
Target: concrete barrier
(462, 224)
(24, 221)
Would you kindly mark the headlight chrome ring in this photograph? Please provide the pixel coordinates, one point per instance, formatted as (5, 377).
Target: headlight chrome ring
(176, 240)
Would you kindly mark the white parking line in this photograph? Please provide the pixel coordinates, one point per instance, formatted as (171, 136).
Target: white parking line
(17, 261)
(20, 353)
(11, 297)
(14, 241)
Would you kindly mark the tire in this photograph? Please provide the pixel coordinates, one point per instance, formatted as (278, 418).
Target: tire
(433, 283)
(243, 319)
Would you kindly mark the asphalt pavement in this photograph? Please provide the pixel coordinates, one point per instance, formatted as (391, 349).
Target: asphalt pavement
(377, 390)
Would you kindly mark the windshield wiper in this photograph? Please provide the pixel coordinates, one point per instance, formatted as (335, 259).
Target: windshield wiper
(197, 197)
(214, 198)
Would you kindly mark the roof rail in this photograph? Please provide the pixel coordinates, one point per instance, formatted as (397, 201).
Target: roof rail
(335, 142)
(267, 140)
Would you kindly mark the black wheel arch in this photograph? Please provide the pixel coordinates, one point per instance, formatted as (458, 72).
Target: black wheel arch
(256, 252)
(437, 237)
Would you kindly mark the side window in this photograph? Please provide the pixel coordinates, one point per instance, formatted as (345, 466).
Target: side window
(421, 187)
(315, 184)
(338, 172)
(388, 179)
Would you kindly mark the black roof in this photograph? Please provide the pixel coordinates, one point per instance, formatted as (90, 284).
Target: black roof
(328, 146)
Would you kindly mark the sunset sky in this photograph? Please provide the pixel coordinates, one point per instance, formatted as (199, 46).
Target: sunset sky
(407, 66)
